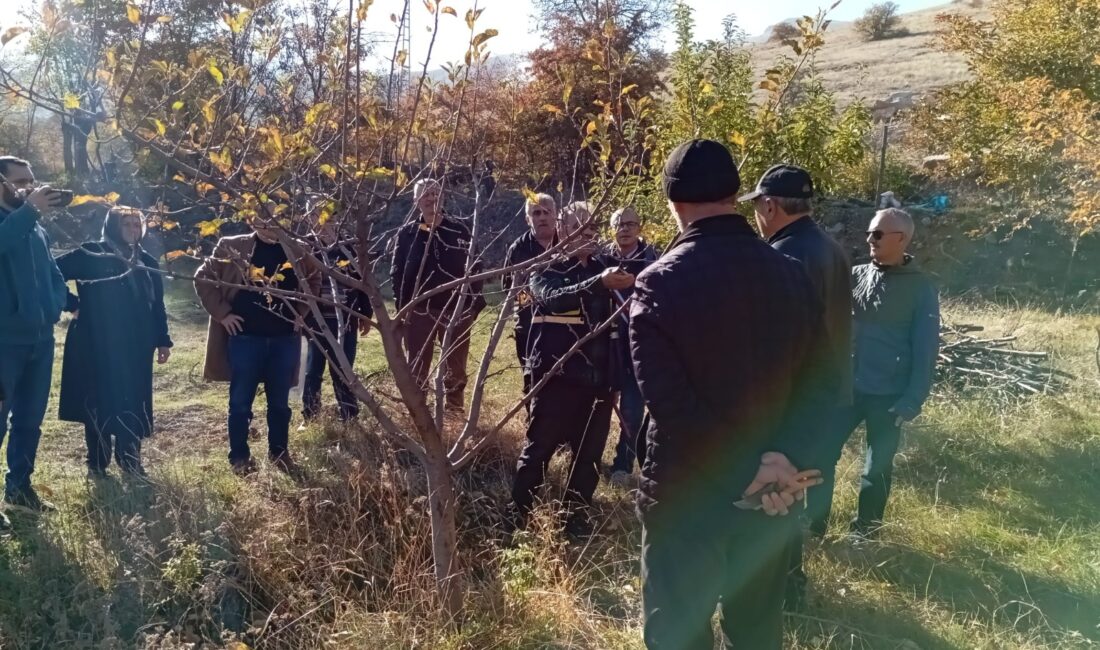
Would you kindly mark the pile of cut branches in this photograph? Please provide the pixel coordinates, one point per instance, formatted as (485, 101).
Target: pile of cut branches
(969, 361)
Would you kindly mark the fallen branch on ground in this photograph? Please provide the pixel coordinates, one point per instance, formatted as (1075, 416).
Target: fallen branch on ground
(989, 364)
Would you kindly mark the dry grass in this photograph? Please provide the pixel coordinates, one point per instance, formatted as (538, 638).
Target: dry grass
(992, 543)
(860, 70)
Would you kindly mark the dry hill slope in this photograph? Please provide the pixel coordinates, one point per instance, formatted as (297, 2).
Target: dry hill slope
(856, 69)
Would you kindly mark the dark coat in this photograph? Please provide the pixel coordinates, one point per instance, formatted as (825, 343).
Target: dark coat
(569, 301)
(830, 271)
(524, 249)
(107, 372)
(425, 258)
(721, 333)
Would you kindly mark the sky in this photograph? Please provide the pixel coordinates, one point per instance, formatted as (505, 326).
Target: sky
(518, 29)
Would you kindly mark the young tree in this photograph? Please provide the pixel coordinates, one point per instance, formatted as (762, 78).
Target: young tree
(1026, 125)
(245, 131)
(879, 22)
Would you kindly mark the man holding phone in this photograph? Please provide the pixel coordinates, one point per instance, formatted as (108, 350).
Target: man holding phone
(32, 294)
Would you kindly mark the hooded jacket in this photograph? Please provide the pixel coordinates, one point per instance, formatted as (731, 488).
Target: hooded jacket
(32, 291)
(896, 333)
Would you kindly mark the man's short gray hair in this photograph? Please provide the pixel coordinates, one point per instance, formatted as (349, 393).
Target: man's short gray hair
(794, 206)
(423, 185)
(623, 211)
(540, 199)
(574, 211)
(903, 218)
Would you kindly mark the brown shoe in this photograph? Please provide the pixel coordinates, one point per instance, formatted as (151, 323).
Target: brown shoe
(284, 462)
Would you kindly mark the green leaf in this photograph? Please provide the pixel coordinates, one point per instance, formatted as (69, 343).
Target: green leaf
(71, 102)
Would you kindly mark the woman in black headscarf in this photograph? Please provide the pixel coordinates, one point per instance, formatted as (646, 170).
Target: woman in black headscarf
(119, 325)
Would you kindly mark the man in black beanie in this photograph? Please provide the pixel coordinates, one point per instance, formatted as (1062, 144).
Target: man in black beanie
(721, 332)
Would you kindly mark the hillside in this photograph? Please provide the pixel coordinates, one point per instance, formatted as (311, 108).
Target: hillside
(856, 69)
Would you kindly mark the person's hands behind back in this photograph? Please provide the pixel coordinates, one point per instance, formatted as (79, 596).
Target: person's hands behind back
(776, 468)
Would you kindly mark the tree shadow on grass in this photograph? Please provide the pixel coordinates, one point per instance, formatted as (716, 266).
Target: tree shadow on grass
(976, 586)
(1037, 491)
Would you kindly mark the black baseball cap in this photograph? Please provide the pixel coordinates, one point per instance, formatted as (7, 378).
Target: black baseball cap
(783, 181)
(700, 171)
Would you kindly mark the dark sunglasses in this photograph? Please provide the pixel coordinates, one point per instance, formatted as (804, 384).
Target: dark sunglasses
(877, 235)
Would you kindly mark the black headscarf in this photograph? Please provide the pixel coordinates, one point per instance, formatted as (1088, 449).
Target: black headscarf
(138, 279)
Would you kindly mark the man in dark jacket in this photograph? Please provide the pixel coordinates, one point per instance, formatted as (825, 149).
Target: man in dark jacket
(722, 329)
(542, 217)
(783, 203)
(431, 252)
(633, 254)
(570, 299)
(338, 256)
(897, 330)
(32, 295)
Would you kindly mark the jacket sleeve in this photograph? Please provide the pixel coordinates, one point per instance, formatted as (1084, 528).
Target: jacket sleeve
(673, 402)
(506, 281)
(397, 268)
(212, 297)
(16, 226)
(554, 295)
(924, 336)
(804, 429)
(160, 314)
(72, 266)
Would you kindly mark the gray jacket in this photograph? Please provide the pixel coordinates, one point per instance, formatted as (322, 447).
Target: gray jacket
(896, 333)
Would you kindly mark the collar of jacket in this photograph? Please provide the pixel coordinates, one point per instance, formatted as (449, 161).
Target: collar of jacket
(529, 237)
(804, 222)
(908, 266)
(444, 220)
(722, 225)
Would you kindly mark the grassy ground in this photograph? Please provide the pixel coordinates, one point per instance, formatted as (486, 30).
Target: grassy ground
(992, 542)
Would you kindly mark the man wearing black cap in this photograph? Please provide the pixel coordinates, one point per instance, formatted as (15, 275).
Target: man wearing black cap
(783, 202)
(722, 329)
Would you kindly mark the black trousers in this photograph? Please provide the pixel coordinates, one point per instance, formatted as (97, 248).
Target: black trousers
(564, 413)
(317, 358)
(695, 558)
(521, 336)
(126, 447)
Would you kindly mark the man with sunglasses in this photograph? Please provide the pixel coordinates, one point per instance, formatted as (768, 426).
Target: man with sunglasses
(542, 219)
(633, 255)
(896, 339)
(783, 204)
(32, 295)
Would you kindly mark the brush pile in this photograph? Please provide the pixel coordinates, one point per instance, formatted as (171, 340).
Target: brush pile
(970, 361)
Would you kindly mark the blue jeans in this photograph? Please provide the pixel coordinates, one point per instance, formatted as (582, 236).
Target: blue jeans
(254, 360)
(631, 412)
(316, 360)
(25, 374)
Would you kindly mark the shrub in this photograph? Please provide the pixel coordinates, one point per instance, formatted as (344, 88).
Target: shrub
(880, 21)
(784, 32)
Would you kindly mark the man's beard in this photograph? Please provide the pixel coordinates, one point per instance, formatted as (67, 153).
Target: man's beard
(12, 200)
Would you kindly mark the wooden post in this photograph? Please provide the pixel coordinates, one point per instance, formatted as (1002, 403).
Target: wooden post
(882, 161)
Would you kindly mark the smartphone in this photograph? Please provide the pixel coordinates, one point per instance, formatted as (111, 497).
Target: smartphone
(61, 198)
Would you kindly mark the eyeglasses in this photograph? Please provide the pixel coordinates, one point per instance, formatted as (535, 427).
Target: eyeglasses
(627, 225)
(877, 235)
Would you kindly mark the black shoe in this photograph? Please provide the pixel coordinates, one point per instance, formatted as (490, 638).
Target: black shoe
(135, 474)
(243, 467)
(27, 500)
(97, 474)
(794, 598)
(578, 527)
